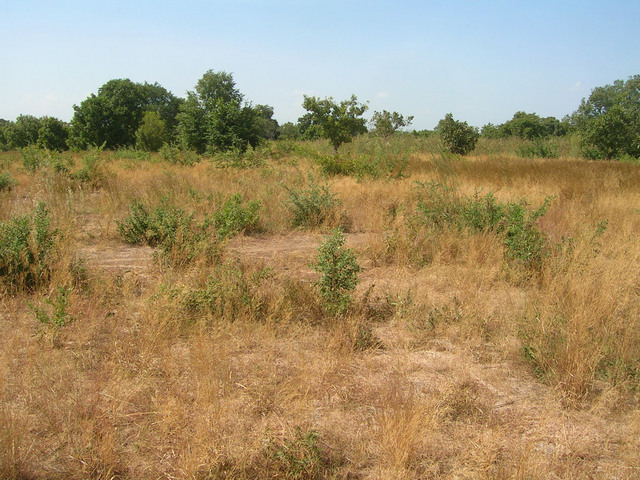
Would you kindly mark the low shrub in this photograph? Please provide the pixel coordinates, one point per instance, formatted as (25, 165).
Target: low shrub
(233, 217)
(296, 458)
(338, 269)
(6, 182)
(55, 314)
(32, 157)
(27, 250)
(539, 149)
(92, 172)
(311, 207)
(173, 154)
(440, 206)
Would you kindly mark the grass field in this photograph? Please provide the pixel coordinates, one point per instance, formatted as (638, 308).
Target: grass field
(161, 317)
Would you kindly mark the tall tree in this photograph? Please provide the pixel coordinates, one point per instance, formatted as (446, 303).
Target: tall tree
(609, 120)
(23, 132)
(339, 122)
(53, 134)
(114, 115)
(214, 117)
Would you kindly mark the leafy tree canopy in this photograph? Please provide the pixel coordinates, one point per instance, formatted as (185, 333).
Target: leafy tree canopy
(384, 124)
(339, 122)
(529, 126)
(214, 116)
(53, 134)
(609, 120)
(113, 116)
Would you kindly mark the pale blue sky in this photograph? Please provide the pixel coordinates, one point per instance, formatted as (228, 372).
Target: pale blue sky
(482, 61)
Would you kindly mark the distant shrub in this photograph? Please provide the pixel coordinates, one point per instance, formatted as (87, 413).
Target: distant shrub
(27, 250)
(313, 206)
(152, 132)
(459, 137)
(131, 153)
(176, 155)
(538, 149)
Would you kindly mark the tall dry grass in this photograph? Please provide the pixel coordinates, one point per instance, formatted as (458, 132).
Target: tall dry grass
(453, 361)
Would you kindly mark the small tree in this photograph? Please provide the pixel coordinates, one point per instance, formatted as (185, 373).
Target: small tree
(338, 122)
(152, 133)
(215, 118)
(385, 124)
(339, 269)
(459, 137)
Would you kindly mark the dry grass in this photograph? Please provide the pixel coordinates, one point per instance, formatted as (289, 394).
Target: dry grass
(452, 363)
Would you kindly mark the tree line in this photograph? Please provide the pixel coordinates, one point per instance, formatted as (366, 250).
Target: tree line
(216, 117)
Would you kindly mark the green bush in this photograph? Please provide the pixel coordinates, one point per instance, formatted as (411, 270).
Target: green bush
(458, 137)
(297, 458)
(338, 269)
(440, 206)
(59, 316)
(91, 172)
(32, 157)
(311, 207)
(153, 228)
(6, 182)
(174, 154)
(152, 132)
(539, 149)
(27, 250)
(179, 238)
(234, 218)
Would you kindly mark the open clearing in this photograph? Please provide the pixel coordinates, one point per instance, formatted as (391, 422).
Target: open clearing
(216, 357)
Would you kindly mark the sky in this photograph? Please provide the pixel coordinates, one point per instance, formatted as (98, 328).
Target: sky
(482, 61)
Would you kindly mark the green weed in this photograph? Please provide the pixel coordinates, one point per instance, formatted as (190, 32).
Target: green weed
(6, 182)
(338, 269)
(27, 250)
(311, 207)
(56, 315)
(233, 217)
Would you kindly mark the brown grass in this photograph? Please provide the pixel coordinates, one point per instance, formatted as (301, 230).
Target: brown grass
(451, 363)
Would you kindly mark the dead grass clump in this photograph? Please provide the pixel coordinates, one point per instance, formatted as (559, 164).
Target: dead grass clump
(583, 324)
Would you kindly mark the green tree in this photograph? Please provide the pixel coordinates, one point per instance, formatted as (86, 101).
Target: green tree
(609, 120)
(152, 132)
(5, 125)
(214, 116)
(53, 134)
(267, 126)
(23, 132)
(612, 134)
(114, 115)
(384, 124)
(289, 131)
(458, 137)
(530, 126)
(339, 122)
